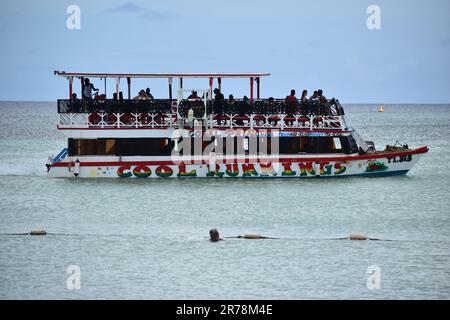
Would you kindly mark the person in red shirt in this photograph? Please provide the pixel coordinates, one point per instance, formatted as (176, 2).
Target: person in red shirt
(291, 106)
(291, 98)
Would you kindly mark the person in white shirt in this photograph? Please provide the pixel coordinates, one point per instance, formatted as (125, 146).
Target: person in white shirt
(88, 87)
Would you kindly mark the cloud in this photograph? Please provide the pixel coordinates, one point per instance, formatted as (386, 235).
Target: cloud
(147, 14)
(126, 7)
(156, 15)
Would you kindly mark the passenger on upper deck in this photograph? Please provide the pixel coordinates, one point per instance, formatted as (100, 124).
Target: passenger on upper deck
(194, 96)
(291, 105)
(304, 97)
(219, 105)
(231, 100)
(322, 98)
(314, 97)
(291, 98)
(149, 95)
(218, 95)
(87, 90)
(141, 96)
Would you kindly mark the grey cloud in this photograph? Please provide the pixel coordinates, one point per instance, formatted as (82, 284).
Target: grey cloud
(144, 13)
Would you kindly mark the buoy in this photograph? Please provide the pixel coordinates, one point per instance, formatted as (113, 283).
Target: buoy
(76, 170)
(251, 236)
(381, 109)
(357, 236)
(38, 232)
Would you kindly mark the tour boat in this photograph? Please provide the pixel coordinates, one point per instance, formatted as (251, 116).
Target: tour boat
(208, 135)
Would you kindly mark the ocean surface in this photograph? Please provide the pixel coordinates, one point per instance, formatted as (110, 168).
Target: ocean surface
(148, 239)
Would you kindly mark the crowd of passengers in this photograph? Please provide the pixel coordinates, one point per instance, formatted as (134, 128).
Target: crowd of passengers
(222, 105)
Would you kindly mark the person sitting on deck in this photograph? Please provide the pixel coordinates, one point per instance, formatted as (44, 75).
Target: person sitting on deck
(194, 96)
(218, 105)
(291, 98)
(314, 97)
(322, 98)
(141, 96)
(270, 107)
(325, 107)
(244, 108)
(149, 95)
(231, 103)
(304, 97)
(304, 102)
(87, 90)
(218, 95)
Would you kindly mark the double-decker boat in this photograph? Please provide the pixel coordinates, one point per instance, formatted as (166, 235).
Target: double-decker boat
(209, 136)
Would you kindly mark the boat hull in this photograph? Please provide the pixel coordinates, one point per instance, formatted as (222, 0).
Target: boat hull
(317, 166)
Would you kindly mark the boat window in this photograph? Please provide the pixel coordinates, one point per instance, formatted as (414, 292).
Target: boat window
(349, 145)
(91, 147)
(337, 144)
(292, 145)
(320, 145)
(124, 147)
(143, 146)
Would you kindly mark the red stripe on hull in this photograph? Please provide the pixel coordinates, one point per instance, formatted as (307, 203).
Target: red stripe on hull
(318, 159)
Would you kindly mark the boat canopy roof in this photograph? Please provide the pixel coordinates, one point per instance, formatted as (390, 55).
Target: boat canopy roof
(159, 75)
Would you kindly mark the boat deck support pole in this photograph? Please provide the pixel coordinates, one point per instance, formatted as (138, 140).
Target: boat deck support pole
(211, 80)
(117, 87)
(257, 87)
(70, 87)
(129, 87)
(170, 89)
(251, 89)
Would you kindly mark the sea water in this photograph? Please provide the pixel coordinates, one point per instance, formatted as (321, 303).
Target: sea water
(148, 239)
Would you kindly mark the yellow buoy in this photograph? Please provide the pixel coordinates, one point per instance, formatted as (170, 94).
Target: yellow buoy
(381, 109)
(38, 232)
(357, 236)
(251, 236)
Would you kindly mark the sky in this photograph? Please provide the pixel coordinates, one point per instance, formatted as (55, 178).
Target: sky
(303, 44)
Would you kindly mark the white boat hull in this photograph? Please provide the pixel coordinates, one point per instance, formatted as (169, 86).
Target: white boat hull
(287, 167)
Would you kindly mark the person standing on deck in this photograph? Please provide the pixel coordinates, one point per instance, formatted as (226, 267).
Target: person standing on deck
(149, 95)
(87, 90)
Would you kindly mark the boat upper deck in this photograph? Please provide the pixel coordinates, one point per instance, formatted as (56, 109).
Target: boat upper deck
(209, 111)
(167, 113)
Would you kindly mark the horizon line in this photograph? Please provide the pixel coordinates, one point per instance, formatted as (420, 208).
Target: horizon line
(375, 103)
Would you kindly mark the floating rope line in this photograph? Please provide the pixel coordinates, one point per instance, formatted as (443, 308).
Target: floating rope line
(250, 236)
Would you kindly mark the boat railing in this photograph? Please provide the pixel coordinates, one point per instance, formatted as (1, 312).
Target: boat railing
(267, 113)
